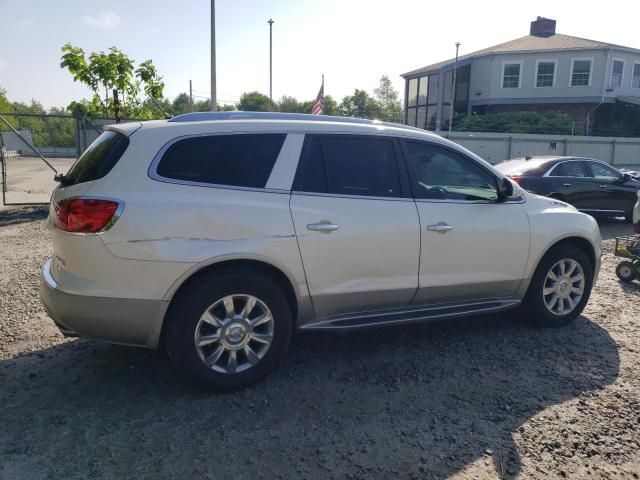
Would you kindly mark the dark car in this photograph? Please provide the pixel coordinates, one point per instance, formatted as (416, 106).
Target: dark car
(591, 186)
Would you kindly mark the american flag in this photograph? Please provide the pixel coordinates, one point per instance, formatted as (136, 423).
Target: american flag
(318, 105)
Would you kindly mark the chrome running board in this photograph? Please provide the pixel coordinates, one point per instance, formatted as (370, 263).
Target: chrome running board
(410, 314)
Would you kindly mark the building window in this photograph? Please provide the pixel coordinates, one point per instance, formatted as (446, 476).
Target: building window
(545, 73)
(511, 74)
(635, 78)
(422, 93)
(581, 72)
(413, 92)
(617, 68)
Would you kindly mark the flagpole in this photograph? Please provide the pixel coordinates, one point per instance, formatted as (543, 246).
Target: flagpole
(323, 93)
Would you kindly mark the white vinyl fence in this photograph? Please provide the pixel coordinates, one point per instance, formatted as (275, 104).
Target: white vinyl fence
(496, 147)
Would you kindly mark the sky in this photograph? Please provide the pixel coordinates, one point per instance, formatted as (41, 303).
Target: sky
(351, 42)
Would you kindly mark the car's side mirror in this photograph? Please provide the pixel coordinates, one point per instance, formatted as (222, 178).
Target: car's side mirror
(505, 189)
(625, 178)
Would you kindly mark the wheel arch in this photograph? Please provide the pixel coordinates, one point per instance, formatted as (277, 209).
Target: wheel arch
(569, 240)
(259, 266)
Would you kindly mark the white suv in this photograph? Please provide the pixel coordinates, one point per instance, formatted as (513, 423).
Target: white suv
(216, 235)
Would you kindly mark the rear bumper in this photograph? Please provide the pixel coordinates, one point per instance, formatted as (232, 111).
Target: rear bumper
(118, 320)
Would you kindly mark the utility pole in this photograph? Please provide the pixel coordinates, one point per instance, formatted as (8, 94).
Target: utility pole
(270, 22)
(453, 89)
(214, 98)
(190, 96)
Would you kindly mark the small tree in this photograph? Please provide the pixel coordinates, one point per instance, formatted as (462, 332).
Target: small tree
(359, 105)
(255, 102)
(112, 70)
(388, 99)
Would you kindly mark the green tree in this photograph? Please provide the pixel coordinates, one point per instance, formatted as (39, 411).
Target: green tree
(255, 102)
(181, 104)
(388, 99)
(290, 105)
(5, 105)
(359, 105)
(330, 106)
(104, 72)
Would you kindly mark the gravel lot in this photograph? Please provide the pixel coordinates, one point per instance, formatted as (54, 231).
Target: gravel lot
(487, 397)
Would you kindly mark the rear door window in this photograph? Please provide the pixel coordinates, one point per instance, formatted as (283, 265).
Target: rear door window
(98, 160)
(350, 165)
(240, 160)
(573, 168)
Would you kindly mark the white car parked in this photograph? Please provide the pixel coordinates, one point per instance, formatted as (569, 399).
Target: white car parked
(216, 235)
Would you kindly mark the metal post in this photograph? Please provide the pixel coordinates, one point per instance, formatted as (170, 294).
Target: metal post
(453, 89)
(270, 22)
(613, 152)
(190, 96)
(116, 105)
(4, 172)
(214, 97)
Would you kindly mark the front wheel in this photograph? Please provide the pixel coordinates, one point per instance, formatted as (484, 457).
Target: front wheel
(560, 287)
(229, 331)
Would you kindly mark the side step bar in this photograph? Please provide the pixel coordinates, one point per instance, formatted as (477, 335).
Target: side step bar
(410, 314)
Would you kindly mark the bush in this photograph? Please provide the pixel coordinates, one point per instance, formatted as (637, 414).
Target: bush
(553, 123)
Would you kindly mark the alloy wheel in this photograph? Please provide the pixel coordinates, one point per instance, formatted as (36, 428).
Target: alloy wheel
(234, 333)
(563, 287)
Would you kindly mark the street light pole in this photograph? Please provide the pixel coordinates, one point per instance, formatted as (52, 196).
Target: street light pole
(214, 97)
(453, 89)
(270, 22)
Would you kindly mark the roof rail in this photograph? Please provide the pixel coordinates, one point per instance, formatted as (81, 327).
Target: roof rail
(238, 115)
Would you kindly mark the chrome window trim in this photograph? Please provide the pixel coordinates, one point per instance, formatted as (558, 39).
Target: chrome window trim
(516, 200)
(578, 159)
(601, 210)
(520, 199)
(152, 172)
(354, 197)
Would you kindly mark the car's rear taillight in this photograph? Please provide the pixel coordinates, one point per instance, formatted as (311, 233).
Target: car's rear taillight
(85, 215)
(636, 227)
(516, 178)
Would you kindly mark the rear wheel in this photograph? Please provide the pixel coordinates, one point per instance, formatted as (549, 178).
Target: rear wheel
(229, 331)
(626, 271)
(560, 287)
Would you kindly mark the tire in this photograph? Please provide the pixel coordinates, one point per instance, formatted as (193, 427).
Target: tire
(626, 271)
(542, 288)
(235, 333)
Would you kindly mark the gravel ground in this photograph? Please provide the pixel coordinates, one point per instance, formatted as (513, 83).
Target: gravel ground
(487, 397)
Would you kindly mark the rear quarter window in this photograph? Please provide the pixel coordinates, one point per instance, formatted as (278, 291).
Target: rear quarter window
(240, 160)
(98, 160)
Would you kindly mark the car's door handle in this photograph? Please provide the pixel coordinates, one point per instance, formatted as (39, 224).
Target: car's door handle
(322, 227)
(603, 186)
(566, 184)
(439, 227)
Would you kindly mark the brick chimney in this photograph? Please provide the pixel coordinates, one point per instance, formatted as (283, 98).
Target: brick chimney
(543, 27)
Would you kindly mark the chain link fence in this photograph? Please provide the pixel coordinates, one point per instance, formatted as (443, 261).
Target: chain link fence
(34, 147)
